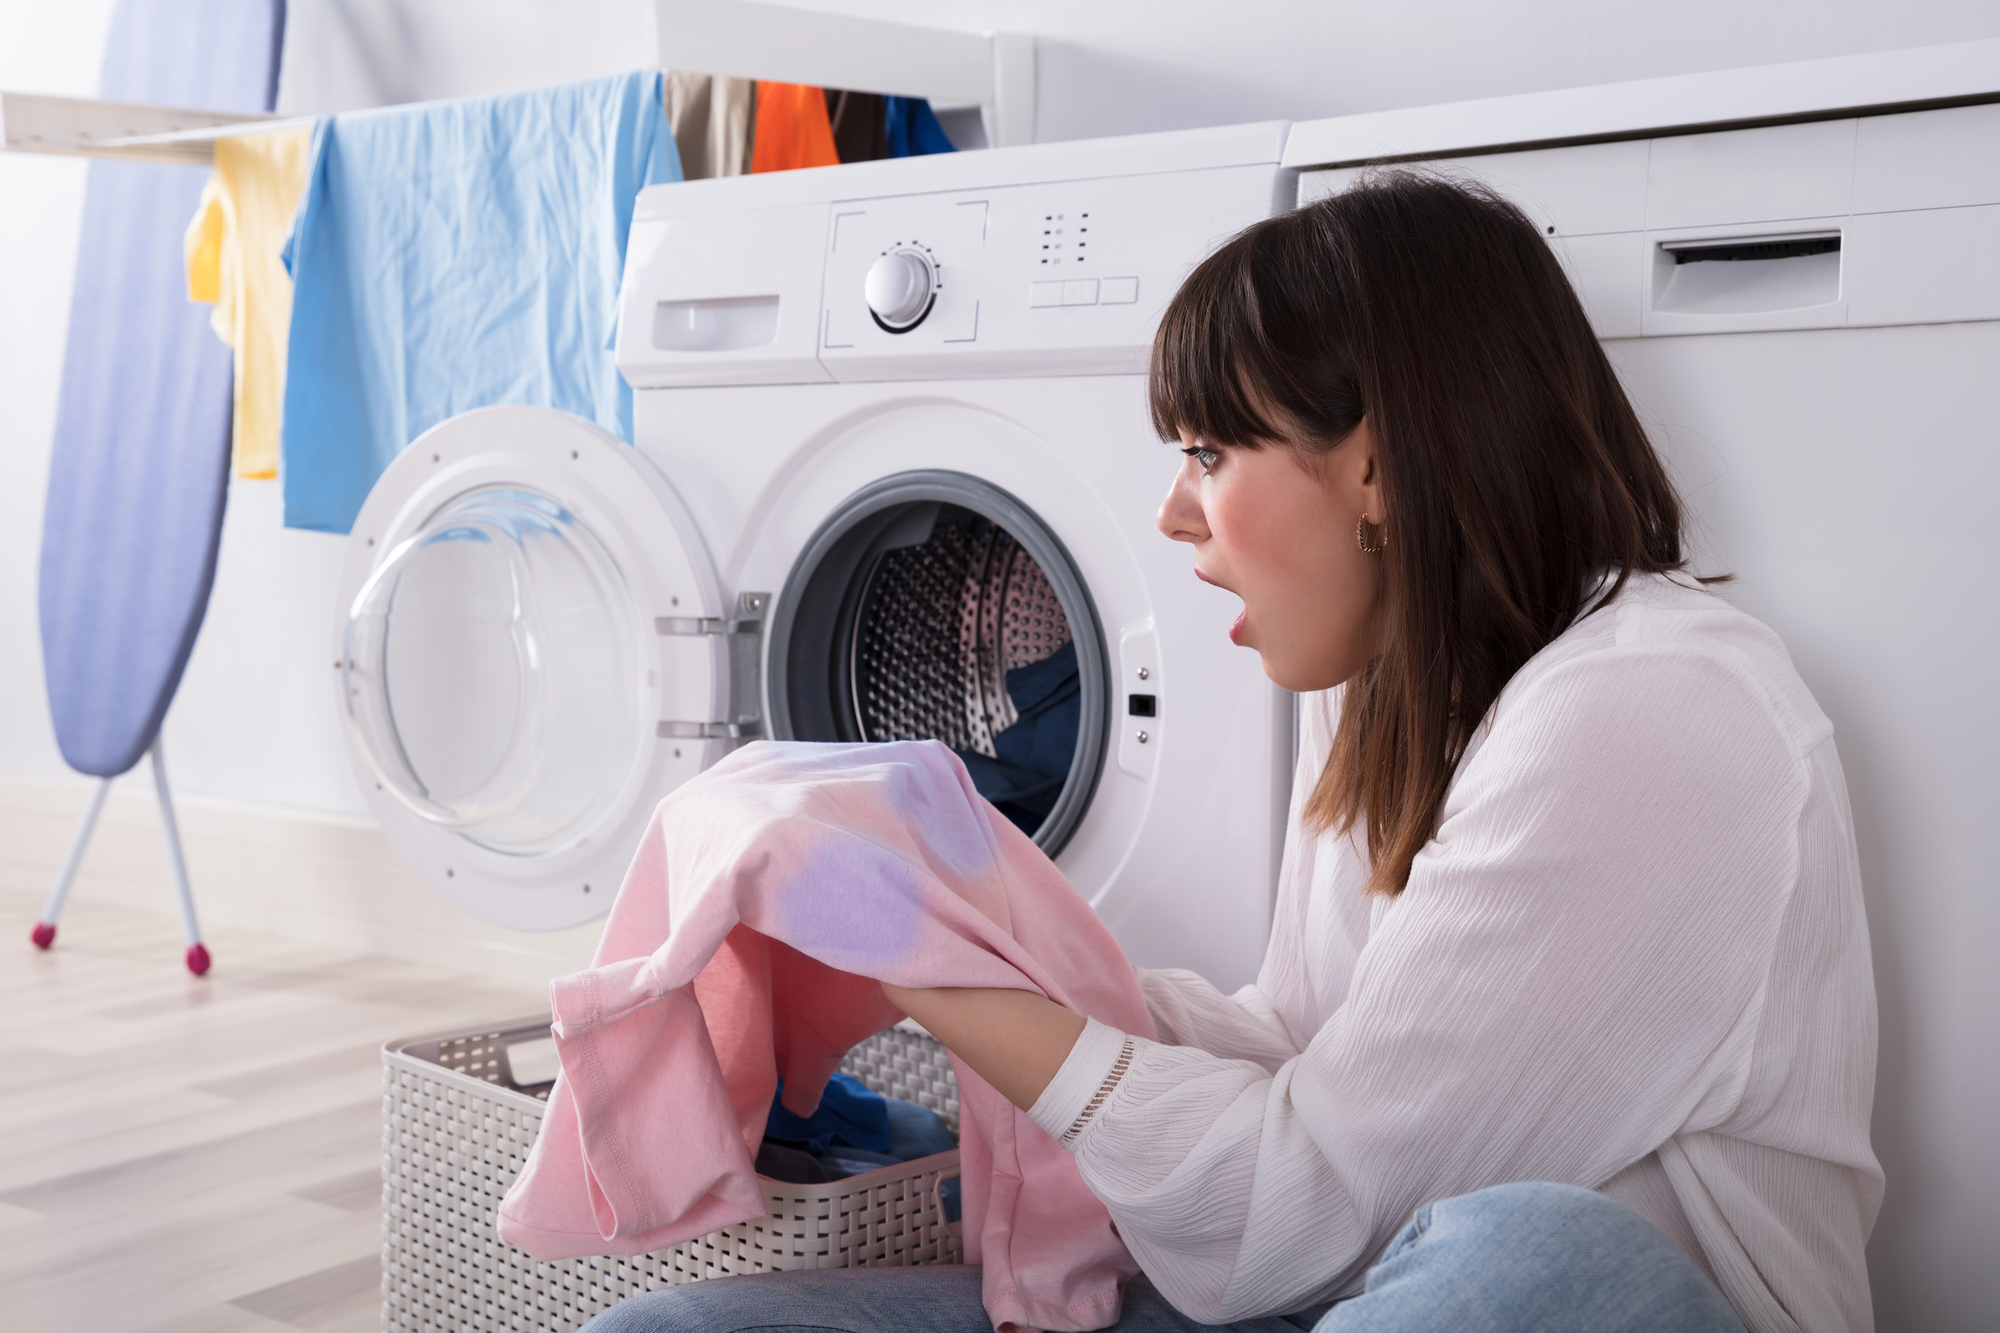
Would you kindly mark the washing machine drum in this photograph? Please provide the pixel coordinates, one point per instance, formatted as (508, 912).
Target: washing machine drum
(933, 605)
(513, 706)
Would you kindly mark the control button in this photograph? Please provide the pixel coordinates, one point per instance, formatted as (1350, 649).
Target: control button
(1138, 660)
(1119, 291)
(899, 288)
(1083, 291)
(1044, 294)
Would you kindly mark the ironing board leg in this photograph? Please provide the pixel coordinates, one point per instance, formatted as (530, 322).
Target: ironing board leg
(197, 952)
(45, 930)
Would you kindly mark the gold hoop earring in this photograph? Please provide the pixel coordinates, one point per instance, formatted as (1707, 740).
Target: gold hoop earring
(1361, 536)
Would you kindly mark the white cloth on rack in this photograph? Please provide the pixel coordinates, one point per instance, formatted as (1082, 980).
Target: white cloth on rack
(1633, 958)
(713, 120)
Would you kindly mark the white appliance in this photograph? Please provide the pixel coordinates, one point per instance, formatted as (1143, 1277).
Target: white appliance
(1804, 314)
(893, 445)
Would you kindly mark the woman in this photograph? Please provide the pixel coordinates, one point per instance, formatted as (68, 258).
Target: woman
(1567, 1019)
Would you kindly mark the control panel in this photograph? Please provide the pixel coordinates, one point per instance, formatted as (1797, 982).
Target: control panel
(1064, 237)
(1065, 278)
(1054, 264)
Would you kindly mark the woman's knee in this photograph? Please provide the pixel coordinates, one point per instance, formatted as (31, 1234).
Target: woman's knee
(1528, 1214)
(1533, 1255)
(846, 1300)
(699, 1307)
(649, 1312)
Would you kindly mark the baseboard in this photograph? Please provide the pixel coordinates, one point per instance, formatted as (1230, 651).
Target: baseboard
(320, 877)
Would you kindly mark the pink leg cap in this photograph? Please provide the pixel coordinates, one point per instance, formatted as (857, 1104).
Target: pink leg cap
(197, 959)
(44, 934)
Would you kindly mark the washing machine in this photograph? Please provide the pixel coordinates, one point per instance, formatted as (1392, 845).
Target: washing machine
(893, 477)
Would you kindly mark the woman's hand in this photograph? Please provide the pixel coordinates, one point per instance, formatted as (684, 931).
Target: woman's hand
(1014, 1039)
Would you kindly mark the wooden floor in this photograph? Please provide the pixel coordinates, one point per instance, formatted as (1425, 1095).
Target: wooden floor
(199, 1156)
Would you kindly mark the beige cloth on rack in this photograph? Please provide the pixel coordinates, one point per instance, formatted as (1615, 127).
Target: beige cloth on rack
(713, 120)
(231, 249)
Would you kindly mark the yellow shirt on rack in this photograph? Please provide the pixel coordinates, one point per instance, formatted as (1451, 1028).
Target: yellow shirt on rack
(232, 249)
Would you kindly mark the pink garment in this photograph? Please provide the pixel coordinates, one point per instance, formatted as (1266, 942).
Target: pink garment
(765, 901)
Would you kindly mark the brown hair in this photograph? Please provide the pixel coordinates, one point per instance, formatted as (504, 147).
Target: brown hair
(1514, 470)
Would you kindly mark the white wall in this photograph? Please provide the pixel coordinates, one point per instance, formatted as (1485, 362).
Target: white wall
(50, 48)
(343, 54)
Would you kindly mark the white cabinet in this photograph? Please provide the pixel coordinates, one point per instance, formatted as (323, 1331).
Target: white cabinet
(1767, 175)
(1579, 191)
(1588, 202)
(1607, 271)
(1926, 266)
(1928, 159)
(1875, 220)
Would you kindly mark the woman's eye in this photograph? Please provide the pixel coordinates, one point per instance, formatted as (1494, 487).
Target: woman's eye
(1206, 457)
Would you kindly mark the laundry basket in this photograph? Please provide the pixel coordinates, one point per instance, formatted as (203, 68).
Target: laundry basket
(459, 1113)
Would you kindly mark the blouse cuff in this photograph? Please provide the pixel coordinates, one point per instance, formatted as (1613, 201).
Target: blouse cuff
(1079, 1089)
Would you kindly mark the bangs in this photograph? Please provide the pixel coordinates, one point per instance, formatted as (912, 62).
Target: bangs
(1256, 347)
(1209, 350)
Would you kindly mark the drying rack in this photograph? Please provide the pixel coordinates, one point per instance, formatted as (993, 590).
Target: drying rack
(747, 39)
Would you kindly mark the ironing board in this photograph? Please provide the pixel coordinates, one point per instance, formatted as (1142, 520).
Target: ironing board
(140, 468)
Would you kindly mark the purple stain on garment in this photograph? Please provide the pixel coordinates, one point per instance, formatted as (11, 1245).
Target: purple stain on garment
(857, 904)
(853, 905)
(925, 792)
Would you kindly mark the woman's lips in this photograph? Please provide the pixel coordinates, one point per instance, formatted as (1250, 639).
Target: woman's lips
(1236, 627)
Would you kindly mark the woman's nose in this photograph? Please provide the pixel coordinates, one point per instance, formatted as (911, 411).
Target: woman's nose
(1180, 517)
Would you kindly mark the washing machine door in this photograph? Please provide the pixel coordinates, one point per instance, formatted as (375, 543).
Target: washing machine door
(934, 605)
(532, 652)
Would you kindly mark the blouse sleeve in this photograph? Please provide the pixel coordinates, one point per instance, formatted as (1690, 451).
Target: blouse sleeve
(1189, 1011)
(1571, 977)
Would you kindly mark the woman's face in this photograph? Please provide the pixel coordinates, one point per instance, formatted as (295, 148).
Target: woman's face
(1276, 526)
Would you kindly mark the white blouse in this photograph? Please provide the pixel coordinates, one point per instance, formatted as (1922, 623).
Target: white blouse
(1633, 958)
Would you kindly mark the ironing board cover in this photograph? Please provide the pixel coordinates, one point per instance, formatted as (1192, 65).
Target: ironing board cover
(140, 468)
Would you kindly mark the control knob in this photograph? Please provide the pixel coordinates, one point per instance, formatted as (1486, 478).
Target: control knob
(900, 288)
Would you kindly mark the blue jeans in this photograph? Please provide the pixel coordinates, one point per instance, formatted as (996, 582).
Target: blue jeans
(1510, 1259)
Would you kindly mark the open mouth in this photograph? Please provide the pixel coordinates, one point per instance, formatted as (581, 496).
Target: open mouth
(1236, 626)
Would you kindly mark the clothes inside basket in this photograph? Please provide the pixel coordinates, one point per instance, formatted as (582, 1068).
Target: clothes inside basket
(853, 1130)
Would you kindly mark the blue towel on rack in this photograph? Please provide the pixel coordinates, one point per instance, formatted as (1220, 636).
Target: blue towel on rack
(456, 255)
(139, 471)
(912, 128)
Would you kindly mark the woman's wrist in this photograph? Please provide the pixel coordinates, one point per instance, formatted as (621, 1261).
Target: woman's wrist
(1014, 1039)
(1083, 1086)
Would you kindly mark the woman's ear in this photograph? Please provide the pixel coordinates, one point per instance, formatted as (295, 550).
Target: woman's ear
(1359, 473)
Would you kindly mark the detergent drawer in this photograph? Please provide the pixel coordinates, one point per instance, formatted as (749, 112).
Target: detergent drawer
(722, 298)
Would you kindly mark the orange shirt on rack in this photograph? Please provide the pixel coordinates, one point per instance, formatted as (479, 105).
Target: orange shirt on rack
(792, 129)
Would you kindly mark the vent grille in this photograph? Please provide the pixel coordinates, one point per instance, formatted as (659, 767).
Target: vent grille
(1792, 247)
